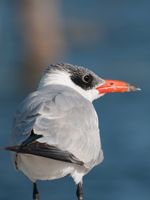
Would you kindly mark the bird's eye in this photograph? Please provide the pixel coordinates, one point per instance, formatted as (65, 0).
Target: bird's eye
(87, 78)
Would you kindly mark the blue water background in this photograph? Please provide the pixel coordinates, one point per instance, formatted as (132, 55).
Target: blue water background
(117, 47)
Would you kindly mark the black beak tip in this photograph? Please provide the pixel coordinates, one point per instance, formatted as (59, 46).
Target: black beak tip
(133, 88)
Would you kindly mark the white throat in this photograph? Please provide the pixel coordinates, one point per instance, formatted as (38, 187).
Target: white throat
(63, 78)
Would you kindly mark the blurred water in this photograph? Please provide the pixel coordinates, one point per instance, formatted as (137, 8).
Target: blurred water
(117, 48)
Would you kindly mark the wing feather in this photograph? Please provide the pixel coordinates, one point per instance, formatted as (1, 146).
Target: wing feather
(64, 118)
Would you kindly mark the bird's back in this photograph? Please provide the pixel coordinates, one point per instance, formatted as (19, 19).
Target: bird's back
(64, 118)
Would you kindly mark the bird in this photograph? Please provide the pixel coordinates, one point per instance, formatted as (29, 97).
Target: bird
(55, 130)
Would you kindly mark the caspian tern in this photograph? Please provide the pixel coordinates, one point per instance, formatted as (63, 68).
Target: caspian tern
(55, 129)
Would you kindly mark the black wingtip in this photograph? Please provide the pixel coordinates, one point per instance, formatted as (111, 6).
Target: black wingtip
(11, 148)
(4, 148)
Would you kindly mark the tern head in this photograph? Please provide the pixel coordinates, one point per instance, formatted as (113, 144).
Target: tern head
(82, 80)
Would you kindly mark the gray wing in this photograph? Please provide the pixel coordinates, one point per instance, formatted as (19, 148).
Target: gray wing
(64, 118)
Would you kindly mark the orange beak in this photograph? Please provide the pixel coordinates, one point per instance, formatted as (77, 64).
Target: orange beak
(116, 86)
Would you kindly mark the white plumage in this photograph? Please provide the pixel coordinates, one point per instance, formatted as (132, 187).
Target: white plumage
(55, 130)
(65, 119)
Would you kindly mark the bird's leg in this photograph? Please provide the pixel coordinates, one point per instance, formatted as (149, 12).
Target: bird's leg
(36, 195)
(79, 191)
